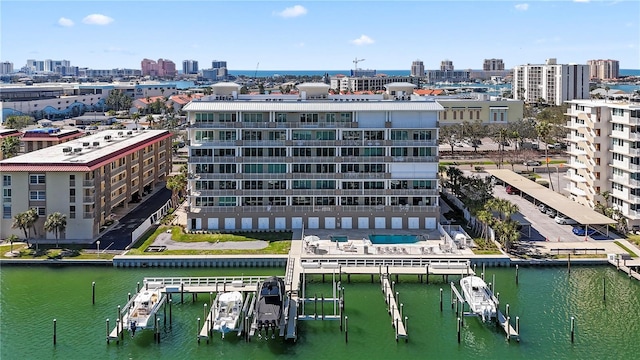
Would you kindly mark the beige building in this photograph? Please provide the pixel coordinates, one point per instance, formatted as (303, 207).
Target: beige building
(604, 69)
(487, 109)
(85, 179)
(313, 160)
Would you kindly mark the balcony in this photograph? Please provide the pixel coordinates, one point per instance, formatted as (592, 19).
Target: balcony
(87, 215)
(88, 199)
(89, 183)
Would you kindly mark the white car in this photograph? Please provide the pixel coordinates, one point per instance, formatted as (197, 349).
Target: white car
(563, 220)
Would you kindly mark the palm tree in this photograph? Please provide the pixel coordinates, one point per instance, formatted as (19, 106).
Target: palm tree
(607, 88)
(11, 239)
(56, 223)
(543, 128)
(509, 208)
(10, 146)
(136, 118)
(20, 222)
(176, 184)
(485, 217)
(32, 217)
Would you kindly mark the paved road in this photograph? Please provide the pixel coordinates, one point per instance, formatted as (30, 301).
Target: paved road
(119, 237)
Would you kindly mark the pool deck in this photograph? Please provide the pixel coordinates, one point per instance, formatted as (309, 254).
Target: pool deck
(318, 242)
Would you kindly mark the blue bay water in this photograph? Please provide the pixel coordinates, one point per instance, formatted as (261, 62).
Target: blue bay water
(545, 299)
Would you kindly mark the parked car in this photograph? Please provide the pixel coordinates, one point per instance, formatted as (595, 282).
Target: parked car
(511, 190)
(531, 163)
(564, 220)
(542, 208)
(551, 212)
(579, 230)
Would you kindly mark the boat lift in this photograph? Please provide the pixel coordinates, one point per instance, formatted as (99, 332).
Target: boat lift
(503, 321)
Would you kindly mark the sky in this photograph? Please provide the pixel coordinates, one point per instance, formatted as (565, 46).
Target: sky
(319, 35)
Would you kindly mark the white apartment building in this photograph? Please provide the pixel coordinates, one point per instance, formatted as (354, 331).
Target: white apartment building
(84, 179)
(553, 83)
(368, 83)
(313, 160)
(605, 154)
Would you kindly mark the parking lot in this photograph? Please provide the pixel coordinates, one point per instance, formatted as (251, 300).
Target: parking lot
(543, 227)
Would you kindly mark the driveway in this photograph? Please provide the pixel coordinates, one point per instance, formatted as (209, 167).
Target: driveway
(119, 236)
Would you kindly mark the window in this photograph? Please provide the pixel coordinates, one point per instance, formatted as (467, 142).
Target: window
(227, 201)
(618, 112)
(6, 211)
(36, 179)
(309, 118)
(277, 168)
(252, 117)
(617, 127)
(6, 195)
(6, 180)
(281, 117)
(37, 195)
(616, 186)
(399, 135)
(41, 211)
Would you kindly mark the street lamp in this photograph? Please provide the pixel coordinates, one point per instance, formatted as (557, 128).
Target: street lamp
(98, 244)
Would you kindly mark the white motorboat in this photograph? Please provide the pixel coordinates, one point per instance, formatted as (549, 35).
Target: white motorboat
(142, 310)
(227, 310)
(479, 297)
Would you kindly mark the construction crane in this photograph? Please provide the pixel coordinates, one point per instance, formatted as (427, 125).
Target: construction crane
(255, 75)
(356, 61)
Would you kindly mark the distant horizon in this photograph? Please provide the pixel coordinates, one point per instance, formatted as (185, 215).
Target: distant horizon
(288, 36)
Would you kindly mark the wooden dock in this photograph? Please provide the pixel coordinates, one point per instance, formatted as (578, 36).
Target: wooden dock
(505, 324)
(627, 269)
(395, 310)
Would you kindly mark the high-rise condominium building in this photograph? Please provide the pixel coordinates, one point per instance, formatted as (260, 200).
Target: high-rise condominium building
(493, 65)
(446, 65)
(417, 68)
(604, 69)
(84, 179)
(313, 160)
(551, 83)
(189, 67)
(163, 67)
(598, 166)
(6, 67)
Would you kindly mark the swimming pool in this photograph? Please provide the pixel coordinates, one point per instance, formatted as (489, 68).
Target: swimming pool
(393, 239)
(339, 238)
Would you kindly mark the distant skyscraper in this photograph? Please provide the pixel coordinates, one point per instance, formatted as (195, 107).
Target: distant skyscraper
(189, 67)
(417, 68)
(218, 64)
(163, 67)
(446, 65)
(493, 65)
(604, 69)
(6, 67)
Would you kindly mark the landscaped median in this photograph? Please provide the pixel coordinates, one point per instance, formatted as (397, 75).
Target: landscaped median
(277, 242)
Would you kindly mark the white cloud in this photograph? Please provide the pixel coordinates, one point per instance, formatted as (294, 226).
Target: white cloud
(97, 19)
(362, 40)
(522, 7)
(581, 1)
(65, 22)
(295, 11)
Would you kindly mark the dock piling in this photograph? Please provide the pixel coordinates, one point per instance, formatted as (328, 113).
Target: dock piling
(440, 299)
(170, 317)
(315, 306)
(452, 297)
(493, 283)
(346, 329)
(518, 324)
(182, 293)
(93, 293)
(138, 287)
(483, 271)
(55, 335)
(128, 296)
(401, 310)
(107, 331)
(573, 325)
(498, 297)
(507, 311)
(117, 330)
(569, 264)
(205, 310)
(322, 305)
(198, 331)
(516, 274)
(158, 330)
(604, 289)
(459, 330)
(508, 328)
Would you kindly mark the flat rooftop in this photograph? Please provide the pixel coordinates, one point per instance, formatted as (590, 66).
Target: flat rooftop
(85, 150)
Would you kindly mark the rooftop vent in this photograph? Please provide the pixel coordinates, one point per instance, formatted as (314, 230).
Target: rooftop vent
(107, 137)
(120, 133)
(67, 150)
(77, 150)
(129, 132)
(96, 143)
(86, 144)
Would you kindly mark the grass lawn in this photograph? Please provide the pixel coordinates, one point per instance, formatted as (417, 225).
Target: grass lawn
(49, 251)
(633, 238)
(485, 247)
(279, 242)
(633, 254)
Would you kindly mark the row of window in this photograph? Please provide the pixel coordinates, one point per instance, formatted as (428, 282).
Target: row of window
(279, 117)
(313, 184)
(281, 135)
(312, 200)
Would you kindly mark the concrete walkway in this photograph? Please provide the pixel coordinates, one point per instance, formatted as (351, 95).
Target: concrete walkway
(164, 239)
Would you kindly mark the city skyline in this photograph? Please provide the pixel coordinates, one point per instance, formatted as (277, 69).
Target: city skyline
(304, 35)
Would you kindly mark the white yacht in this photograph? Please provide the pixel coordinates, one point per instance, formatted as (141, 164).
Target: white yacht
(227, 310)
(479, 297)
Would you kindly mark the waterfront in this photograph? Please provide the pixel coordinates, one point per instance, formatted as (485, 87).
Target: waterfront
(545, 299)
